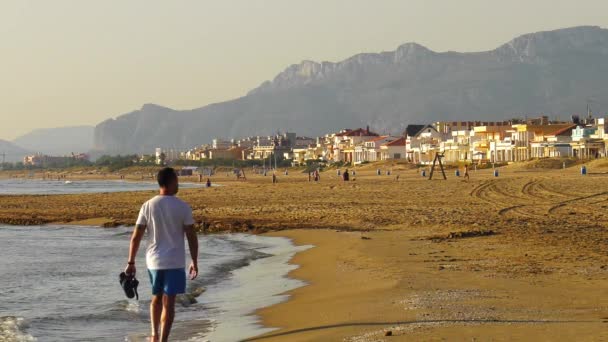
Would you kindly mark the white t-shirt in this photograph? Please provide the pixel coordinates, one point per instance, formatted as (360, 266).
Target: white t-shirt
(165, 218)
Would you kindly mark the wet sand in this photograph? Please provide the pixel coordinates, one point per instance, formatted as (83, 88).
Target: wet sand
(519, 256)
(360, 289)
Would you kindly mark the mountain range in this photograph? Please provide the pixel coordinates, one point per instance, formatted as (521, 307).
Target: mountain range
(556, 73)
(10, 153)
(58, 141)
(51, 141)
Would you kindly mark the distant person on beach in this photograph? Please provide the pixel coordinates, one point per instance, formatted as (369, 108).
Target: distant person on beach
(208, 182)
(466, 172)
(167, 219)
(345, 176)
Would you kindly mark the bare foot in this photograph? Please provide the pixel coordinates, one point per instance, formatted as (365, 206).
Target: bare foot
(154, 338)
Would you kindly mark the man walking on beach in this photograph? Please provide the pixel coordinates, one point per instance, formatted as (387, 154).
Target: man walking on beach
(167, 220)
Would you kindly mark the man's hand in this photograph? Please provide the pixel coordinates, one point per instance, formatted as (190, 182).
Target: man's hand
(130, 270)
(193, 246)
(138, 233)
(193, 271)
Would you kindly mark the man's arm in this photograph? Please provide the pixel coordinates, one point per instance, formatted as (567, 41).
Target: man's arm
(138, 234)
(193, 246)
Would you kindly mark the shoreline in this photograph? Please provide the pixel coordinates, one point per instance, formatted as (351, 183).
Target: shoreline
(523, 253)
(260, 283)
(358, 289)
(252, 274)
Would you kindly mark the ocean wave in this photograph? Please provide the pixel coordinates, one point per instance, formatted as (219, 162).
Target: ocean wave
(96, 308)
(12, 329)
(229, 255)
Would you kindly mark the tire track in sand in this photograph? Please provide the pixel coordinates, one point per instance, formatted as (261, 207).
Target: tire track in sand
(564, 203)
(482, 192)
(543, 187)
(528, 188)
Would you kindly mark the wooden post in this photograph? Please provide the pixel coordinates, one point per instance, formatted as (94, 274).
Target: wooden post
(437, 159)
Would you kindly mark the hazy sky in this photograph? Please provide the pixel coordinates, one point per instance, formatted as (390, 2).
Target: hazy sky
(73, 62)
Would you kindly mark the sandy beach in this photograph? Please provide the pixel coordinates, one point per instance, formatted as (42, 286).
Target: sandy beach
(520, 256)
(360, 289)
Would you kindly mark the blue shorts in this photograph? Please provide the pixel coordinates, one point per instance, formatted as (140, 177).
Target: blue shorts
(169, 282)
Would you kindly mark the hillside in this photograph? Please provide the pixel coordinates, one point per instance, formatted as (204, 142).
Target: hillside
(58, 141)
(555, 73)
(13, 153)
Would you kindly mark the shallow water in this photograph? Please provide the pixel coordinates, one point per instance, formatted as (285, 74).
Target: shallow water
(27, 186)
(61, 284)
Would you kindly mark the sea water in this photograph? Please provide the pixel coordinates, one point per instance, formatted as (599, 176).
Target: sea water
(29, 186)
(60, 283)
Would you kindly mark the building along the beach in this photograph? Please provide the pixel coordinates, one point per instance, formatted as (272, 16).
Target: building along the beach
(458, 146)
(410, 132)
(341, 145)
(220, 144)
(232, 153)
(393, 149)
(587, 142)
(197, 153)
(167, 155)
(602, 134)
(370, 150)
(246, 143)
(43, 160)
(484, 142)
(299, 155)
(521, 136)
(422, 147)
(503, 150)
(551, 140)
(271, 146)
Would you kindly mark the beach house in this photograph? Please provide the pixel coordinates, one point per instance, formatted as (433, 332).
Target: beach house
(521, 136)
(457, 147)
(341, 145)
(422, 147)
(602, 133)
(551, 140)
(231, 153)
(394, 149)
(370, 150)
(485, 142)
(299, 155)
(588, 141)
(272, 146)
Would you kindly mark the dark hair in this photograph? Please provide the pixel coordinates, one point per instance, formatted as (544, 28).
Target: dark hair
(166, 176)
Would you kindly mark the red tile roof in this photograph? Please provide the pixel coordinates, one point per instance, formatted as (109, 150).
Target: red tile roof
(360, 132)
(398, 142)
(567, 130)
(553, 130)
(378, 138)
